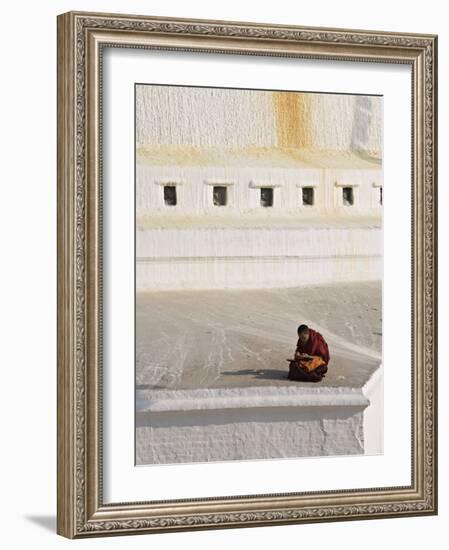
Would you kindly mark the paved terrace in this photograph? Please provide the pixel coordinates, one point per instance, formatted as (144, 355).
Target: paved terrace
(232, 338)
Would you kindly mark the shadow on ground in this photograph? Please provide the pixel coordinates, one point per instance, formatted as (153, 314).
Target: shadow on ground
(46, 522)
(265, 374)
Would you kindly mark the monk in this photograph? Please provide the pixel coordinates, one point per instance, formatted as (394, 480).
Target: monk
(311, 356)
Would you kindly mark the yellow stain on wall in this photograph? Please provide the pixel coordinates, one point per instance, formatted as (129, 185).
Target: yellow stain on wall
(293, 119)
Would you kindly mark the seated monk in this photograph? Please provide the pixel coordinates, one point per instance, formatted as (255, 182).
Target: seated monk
(311, 356)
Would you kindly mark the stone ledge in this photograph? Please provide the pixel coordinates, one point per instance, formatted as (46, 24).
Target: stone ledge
(252, 423)
(244, 397)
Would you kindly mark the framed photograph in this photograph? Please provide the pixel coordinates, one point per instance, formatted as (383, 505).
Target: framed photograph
(247, 274)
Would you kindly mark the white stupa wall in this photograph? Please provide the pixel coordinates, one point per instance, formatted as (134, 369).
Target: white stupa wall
(194, 189)
(199, 425)
(244, 245)
(215, 436)
(194, 138)
(196, 244)
(220, 117)
(252, 273)
(262, 242)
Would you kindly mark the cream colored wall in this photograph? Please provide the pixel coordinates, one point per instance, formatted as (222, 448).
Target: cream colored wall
(219, 117)
(256, 257)
(193, 137)
(194, 188)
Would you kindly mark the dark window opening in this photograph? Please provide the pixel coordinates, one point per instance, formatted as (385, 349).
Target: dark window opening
(308, 196)
(380, 196)
(170, 195)
(348, 196)
(220, 195)
(266, 196)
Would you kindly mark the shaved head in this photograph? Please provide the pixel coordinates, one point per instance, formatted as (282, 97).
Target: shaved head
(303, 333)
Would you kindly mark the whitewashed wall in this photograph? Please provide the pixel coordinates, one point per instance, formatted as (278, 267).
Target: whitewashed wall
(194, 138)
(220, 117)
(198, 425)
(207, 436)
(202, 258)
(194, 188)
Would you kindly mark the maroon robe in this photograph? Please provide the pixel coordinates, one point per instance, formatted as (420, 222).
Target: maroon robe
(315, 345)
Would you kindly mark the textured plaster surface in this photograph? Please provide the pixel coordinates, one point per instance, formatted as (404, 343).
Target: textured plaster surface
(244, 434)
(223, 339)
(211, 364)
(205, 117)
(212, 377)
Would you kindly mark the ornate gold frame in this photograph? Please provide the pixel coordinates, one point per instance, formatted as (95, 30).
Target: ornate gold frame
(81, 37)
